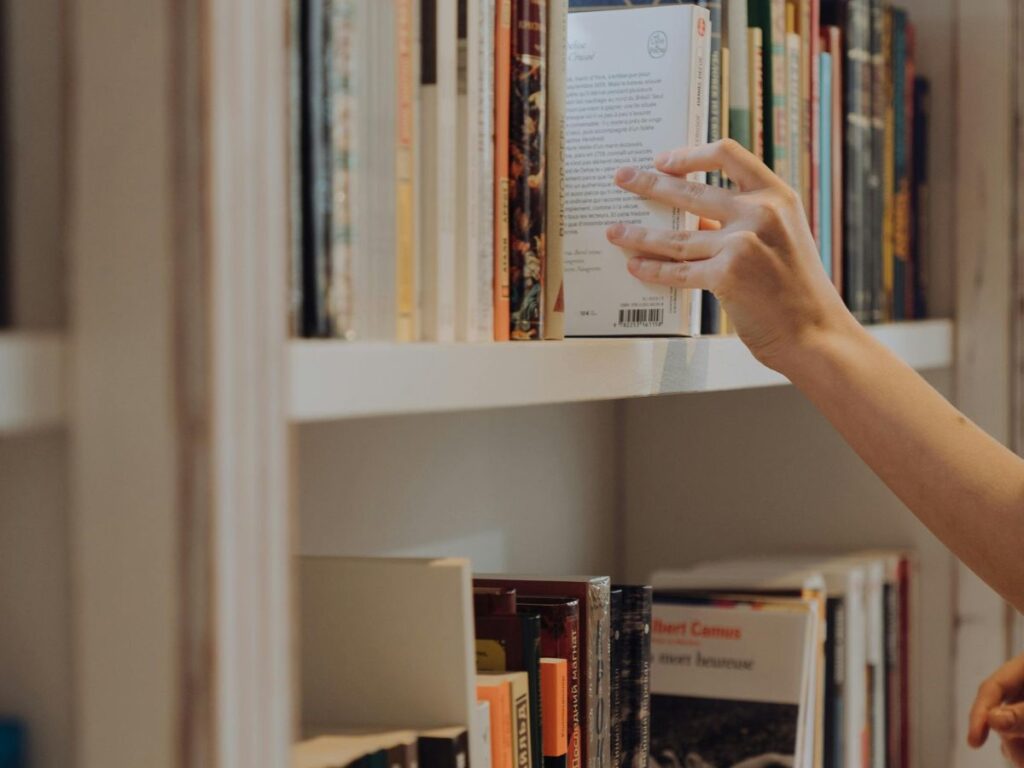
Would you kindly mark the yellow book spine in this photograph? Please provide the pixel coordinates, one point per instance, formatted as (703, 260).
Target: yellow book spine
(405, 164)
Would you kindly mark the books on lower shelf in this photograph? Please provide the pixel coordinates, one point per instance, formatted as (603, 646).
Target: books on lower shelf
(453, 159)
(797, 661)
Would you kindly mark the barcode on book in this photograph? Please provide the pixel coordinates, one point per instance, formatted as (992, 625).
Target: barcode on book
(634, 318)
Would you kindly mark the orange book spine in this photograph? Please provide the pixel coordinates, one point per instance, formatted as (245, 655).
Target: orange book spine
(554, 698)
(499, 696)
(502, 98)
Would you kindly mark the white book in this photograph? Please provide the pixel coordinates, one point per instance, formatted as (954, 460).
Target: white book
(637, 84)
(475, 250)
(358, 665)
(719, 670)
(439, 122)
(481, 735)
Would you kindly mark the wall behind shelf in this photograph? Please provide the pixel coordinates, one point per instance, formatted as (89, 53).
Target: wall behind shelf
(522, 489)
(762, 472)
(35, 603)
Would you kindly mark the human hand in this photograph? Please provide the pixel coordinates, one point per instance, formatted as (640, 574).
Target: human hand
(999, 706)
(762, 263)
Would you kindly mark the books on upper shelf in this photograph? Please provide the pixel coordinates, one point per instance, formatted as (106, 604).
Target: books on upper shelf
(453, 159)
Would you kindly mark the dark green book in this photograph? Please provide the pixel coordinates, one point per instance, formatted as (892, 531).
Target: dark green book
(759, 14)
(531, 662)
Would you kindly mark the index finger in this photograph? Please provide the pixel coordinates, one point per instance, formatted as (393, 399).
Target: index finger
(727, 155)
(1005, 684)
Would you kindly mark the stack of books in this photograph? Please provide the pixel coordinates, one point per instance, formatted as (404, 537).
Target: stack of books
(454, 158)
(800, 661)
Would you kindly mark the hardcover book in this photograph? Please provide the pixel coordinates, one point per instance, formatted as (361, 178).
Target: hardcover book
(554, 285)
(527, 135)
(593, 593)
(636, 86)
(502, 103)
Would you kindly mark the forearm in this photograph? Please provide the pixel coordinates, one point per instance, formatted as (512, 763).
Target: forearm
(962, 484)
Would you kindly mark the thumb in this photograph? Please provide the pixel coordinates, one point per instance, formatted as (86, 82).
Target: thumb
(1007, 720)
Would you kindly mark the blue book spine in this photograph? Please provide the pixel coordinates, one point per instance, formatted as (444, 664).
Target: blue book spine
(825, 148)
(13, 744)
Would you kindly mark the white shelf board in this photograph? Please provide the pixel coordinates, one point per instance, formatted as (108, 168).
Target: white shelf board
(31, 381)
(337, 379)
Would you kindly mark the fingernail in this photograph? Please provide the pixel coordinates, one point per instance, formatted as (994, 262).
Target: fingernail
(615, 231)
(625, 175)
(662, 159)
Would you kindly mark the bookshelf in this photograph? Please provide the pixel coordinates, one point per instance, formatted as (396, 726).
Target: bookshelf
(337, 380)
(166, 452)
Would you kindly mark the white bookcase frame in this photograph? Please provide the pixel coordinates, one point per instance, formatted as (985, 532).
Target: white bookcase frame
(170, 400)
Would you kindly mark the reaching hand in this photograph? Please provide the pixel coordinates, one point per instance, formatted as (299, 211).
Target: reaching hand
(999, 706)
(762, 263)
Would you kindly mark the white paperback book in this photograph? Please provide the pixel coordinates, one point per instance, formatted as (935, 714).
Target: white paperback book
(637, 83)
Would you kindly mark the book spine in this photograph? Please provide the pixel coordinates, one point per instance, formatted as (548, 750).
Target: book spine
(598, 672)
(835, 48)
(825, 164)
(812, 136)
(714, 8)
(901, 106)
(921, 118)
(739, 112)
(526, 169)
(554, 700)
(756, 79)
(760, 18)
(340, 110)
(405, 174)
(554, 293)
(634, 671)
(447, 126)
(893, 664)
(465, 206)
(295, 176)
(316, 184)
(482, 107)
(560, 638)
(888, 170)
(835, 714)
(615, 614)
(876, 182)
(794, 114)
(531, 661)
(502, 103)
(780, 83)
(857, 161)
(500, 700)
(522, 736)
(904, 760)
(482, 749)
(700, 115)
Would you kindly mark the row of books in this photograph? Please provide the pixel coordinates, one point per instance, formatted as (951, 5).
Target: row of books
(454, 157)
(826, 93)
(801, 661)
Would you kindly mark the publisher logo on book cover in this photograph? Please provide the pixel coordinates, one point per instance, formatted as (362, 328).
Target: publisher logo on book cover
(657, 45)
(702, 27)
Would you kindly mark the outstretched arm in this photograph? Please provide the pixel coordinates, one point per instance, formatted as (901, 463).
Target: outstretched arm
(764, 267)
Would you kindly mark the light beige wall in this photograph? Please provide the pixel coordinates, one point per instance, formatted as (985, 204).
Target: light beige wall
(527, 489)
